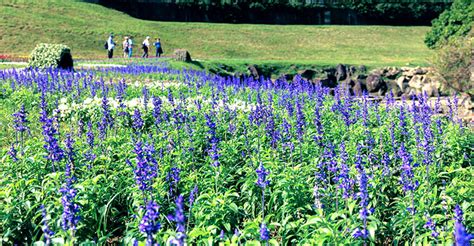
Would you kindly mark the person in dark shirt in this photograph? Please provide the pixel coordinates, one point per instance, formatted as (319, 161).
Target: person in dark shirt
(159, 49)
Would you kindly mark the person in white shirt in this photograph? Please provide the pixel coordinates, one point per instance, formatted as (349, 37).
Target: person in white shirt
(125, 47)
(110, 46)
(146, 46)
(130, 47)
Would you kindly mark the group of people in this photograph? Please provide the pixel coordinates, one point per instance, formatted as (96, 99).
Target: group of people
(127, 47)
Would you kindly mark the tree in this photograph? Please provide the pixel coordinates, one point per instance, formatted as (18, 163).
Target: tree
(454, 22)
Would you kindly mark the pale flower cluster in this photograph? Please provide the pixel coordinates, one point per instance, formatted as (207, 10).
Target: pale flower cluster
(66, 107)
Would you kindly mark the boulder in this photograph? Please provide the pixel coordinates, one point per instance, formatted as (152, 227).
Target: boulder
(341, 72)
(254, 71)
(409, 93)
(392, 72)
(375, 83)
(430, 89)
(351, 71)
(182, 55)
(419, 71)
(286, 77)
(361, 76)
(402, 83)
(328, 80)
(416, 82)
(394, 88)
(308, 74)
(359, 88)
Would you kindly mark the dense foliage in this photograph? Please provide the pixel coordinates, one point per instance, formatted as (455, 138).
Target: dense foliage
(152, 155)
(453, 62)
(51, 55)
(412, 12)
(454, 22)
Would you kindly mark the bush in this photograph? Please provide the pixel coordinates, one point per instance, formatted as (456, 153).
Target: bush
(51, 55)
(453, 62)
(454, 22)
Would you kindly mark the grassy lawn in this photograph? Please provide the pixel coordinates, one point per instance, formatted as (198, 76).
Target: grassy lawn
(85, 27)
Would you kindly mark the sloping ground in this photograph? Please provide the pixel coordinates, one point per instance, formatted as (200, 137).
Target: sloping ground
(85, 26)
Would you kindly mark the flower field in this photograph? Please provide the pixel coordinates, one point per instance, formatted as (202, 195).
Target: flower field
(146, 155)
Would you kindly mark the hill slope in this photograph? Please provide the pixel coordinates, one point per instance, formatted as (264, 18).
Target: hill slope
(85, 26)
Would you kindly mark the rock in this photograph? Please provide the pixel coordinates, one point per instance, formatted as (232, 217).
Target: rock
(378, 71)
(419, 71)
(416, 82)
(375, 83)
(409, 93)
(308, 74)
(362, 68)
(430, 90)
(254, 71)
(359, 88)
(351, 71)
(182, 55)
(392, 72)
(355, 87)
(361, 76)
(402, 83)
(394, 88)
(431, 85)
(327, 81)
(341, 72)
(286, 77)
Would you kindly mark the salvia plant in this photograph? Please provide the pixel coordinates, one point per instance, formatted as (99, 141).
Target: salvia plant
(95, 157)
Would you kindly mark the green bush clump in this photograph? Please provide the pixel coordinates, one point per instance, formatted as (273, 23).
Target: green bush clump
(454, 22)
(453, 63)
(51, 55)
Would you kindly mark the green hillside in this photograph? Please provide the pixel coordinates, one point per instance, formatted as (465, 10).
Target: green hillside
(85, 26)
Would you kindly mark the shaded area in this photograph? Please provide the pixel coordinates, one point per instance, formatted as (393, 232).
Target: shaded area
(284, 12)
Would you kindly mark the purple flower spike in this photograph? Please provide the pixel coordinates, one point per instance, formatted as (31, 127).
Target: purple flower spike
(180, 221)
(430, 224)
(47, 233)
(461, 235)
(264, 233)
(149, 223)
(262, 174)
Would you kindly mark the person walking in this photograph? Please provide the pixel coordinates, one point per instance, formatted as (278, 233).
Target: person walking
(146, 46)
(130, 47)
(110, 46)
(159, 50)
(125, 47)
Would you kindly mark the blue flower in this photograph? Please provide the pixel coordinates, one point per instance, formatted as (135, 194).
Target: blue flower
(180, 220)
(149, 223)
(192, 196)
(137, 121)
(213, 141)
(47, 233)
(70, 216)
(461, 235)
(262, 174)
(407, 174)
(12, 152)
(264, 233)
(430, 224)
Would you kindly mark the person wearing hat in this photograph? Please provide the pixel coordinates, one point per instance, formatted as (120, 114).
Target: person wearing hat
(125, 47)
(146, 46)
(110, 46)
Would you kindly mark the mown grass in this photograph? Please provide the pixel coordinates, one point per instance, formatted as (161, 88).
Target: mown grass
(85, 27)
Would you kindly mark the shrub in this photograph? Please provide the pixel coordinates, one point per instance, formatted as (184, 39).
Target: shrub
(453, 62)
(51, 55)
(454, 22)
